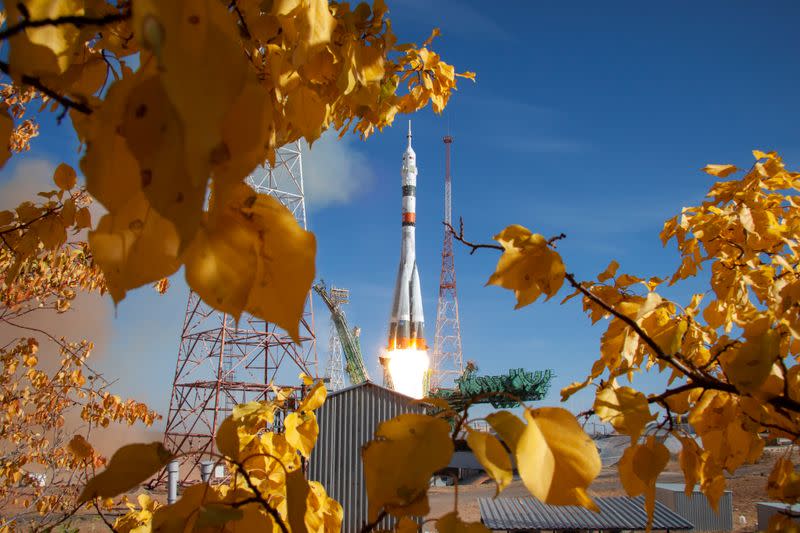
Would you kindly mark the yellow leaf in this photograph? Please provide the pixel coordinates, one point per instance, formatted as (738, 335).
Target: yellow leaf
(784, 482)
(297, 491)
(216, 515)
(609, 272)
(64, 177)
(307, 113)
(155, 136)
(691, 462)
(315, 398)
(528, 266)
(202, 67)
(112, 173)
(451, 523)
(626, 409)
(316, 25)
(80, 447)
(397, 475)
(253, 256)
(129, 466)
(781, 523)
(302, 431)
(556, 460)
(492, 456)
(6, 130)
(248, 133)
(83, 218)
(46, 50)
(406, 525)
(227, 438)
(508, 427)
(639, 469)
(720, 171)
(183, 514)
(749, 365)
(572, 388)
(134, 246)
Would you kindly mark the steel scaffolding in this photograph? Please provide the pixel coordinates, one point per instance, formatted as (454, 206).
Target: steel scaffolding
(334, 370)
(222, 363)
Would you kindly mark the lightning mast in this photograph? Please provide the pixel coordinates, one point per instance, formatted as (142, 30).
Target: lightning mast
(447, 362)
(222, 363)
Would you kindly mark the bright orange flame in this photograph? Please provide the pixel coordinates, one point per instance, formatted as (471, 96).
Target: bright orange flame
(407, 368)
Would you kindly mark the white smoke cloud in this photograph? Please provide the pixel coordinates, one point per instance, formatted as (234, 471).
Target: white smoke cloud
(334, 171)
(28, 177)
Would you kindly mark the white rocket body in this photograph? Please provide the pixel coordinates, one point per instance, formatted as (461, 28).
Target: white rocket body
(406, 327)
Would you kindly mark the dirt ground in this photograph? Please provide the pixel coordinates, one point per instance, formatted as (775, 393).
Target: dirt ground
(748, 486)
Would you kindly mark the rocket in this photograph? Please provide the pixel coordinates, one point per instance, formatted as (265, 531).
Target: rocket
(406, 327)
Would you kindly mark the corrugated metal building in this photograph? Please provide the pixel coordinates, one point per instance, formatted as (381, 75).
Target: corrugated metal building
(616, 514)
(765, 511)
(696, 508)
(347, 420)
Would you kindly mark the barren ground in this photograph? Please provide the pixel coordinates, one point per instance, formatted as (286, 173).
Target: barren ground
(748, 486)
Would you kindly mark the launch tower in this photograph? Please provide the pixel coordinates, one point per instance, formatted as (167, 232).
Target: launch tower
(222, 363)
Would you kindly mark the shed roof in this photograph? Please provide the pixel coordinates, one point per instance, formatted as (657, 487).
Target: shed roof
(615, 513)
(369, 384)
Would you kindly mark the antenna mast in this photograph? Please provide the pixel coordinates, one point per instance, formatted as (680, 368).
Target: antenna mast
(447, 363)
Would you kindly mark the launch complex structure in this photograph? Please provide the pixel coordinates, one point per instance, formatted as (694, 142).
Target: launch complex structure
(223, 362)
(444, 374)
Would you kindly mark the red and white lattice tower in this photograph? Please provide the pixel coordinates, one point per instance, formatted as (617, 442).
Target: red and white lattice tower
(222, 363)
(447, 362)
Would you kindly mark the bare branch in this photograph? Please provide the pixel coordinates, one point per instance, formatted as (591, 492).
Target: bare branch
(41, 87)
(460, 237)
(372, 525)
(79, 21)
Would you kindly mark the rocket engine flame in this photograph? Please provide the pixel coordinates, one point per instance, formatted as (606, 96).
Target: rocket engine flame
(407, 367)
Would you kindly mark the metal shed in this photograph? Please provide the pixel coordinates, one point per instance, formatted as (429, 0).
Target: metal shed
(765, 511)
(616, 514)
(696, 508)
(347, 420)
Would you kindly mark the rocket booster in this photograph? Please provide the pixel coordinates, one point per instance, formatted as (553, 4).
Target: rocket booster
(406, 328)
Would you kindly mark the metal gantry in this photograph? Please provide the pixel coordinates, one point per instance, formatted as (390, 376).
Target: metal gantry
(447, 363)
(335, 367)
(222, 363)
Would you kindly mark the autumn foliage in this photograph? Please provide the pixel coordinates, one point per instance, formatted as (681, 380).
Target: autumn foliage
(175, 103)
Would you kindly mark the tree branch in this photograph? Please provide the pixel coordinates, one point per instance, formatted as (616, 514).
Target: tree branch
(79, 21)
(697, 378)
(260, 499)
(460, 237)
(372, 525)
(37, 84)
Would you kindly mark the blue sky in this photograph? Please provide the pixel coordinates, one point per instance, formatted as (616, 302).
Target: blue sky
(587, 118)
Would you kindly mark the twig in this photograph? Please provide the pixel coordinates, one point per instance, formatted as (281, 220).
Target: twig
(79, 21)
(260, 499)
(30, 222)
(243, 24)
(369, 526)
(36, 83)
(552, 240)
(103, 517)
(460, 237)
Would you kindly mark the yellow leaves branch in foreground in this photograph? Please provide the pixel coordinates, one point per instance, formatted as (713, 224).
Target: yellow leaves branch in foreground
(733, 353)
(216, 91)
